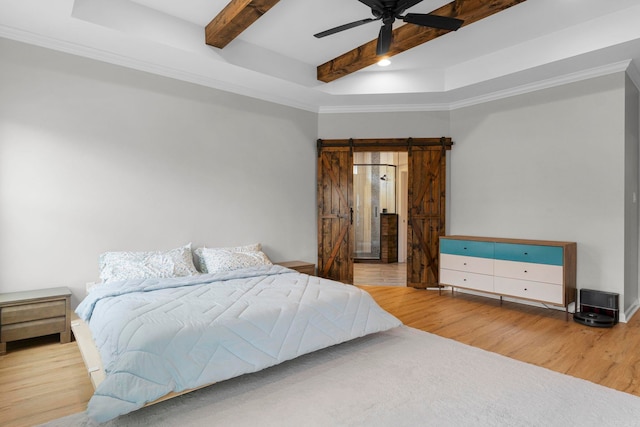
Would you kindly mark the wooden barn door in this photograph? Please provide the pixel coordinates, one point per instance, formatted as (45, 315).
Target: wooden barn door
(426, 214)
(335, 213)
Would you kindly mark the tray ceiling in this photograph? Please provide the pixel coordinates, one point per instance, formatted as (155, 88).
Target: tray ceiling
(534, 44)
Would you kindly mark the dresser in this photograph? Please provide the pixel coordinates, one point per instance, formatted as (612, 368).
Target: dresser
(535, 270)
(35, 313)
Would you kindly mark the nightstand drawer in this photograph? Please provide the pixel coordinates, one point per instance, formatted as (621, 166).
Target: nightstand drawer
(310, 270)
(300, 266)
(35, 328)
(32, 311)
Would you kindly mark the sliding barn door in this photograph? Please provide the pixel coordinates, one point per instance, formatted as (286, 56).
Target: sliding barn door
(426, 214)
(335, 214)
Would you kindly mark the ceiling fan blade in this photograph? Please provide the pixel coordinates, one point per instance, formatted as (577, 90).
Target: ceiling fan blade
(403, 5)
(433, 21)
(344, 27)
(384, 39)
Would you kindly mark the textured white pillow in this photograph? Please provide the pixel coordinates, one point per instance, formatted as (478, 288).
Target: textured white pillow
(200, 264)
(219, 260)
(145, 265)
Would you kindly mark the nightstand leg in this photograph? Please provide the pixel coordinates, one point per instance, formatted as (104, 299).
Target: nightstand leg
(3, 347)
(65, 336)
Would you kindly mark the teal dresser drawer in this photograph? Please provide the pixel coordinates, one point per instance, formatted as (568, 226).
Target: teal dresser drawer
(466, 248)
(551, 255)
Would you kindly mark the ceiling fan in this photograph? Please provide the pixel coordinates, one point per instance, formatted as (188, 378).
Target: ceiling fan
(390, 10)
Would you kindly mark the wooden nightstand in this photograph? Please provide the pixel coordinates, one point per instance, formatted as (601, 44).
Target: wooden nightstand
(36, 313)
(300, 266)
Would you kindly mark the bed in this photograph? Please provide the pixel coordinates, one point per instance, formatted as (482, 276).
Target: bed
(156, 338)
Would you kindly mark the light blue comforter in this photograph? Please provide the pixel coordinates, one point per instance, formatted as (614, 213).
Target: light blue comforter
(161, 335)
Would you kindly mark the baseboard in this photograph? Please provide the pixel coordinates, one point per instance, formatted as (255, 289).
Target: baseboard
(629, 312)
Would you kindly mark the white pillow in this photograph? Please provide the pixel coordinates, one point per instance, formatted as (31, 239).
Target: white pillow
(219, 260)
(145, 265)
(200, 264)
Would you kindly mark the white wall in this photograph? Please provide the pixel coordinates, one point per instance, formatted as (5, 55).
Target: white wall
(384, 125)
(95, 157)
(545, 165)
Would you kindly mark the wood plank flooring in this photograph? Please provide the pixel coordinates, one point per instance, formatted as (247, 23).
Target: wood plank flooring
(394, 274)
(607, 356)
(41, 380)
(48, 380)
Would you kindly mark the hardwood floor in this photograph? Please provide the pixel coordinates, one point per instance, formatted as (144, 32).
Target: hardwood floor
(48, 380)
(607, 356)
(41, 380)
(394, 274)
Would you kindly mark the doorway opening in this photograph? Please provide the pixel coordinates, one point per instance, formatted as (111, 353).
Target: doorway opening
(374, 192)
(380, 217)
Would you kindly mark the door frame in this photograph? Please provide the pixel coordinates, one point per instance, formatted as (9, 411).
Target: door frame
(380, 144)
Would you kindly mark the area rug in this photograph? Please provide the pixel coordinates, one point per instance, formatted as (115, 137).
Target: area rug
(402, 377)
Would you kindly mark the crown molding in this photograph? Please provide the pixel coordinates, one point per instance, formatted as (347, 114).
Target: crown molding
(145, 66)
(109, 57)
(545, 84)
(622, 66)
(383, 108)
(634, 74)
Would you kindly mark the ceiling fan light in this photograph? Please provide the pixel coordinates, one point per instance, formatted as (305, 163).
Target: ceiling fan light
(384, 62)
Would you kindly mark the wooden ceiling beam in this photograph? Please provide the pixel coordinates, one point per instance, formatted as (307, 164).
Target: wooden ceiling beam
(236, 17)
(409, 36)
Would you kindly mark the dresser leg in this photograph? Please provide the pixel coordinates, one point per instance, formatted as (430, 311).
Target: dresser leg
(3, 347)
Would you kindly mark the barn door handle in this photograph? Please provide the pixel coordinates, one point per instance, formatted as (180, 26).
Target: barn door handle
(351, 215)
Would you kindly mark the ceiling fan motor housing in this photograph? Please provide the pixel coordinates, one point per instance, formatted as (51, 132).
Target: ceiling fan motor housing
(390, 10)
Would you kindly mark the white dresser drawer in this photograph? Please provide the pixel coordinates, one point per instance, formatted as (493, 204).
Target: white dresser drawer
(467, 263)
(463, 279)
(528, 271)
(545, 292)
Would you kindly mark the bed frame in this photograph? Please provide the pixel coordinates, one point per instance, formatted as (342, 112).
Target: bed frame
(93, 361)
